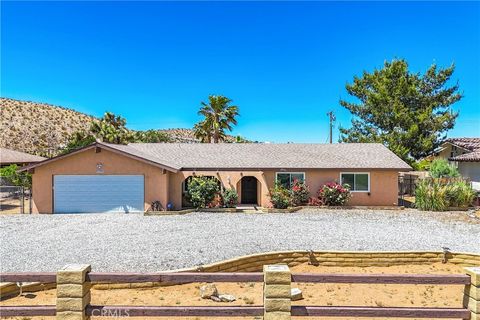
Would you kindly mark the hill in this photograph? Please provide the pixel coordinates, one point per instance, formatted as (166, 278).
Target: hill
(44, 129)
(38, 128)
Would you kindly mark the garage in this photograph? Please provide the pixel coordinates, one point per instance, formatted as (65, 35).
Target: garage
(98, 193)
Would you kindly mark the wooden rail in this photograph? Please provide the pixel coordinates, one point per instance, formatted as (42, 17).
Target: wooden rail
(380, 312)
(123, 277)
(241, 311)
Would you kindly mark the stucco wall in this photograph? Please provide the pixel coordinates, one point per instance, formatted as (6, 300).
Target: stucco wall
(84, 163)
(470, 170)
(383, 184)
(167, 187)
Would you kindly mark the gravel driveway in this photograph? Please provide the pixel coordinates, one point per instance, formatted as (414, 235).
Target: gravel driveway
(132, 242)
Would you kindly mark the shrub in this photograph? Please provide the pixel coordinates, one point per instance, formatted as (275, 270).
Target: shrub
(202, 191)
(430, 195)
(299, 193)
(280, 196)
(460, 194)
(440, 168)
(439, 194)
(229, 198)
(334, 194)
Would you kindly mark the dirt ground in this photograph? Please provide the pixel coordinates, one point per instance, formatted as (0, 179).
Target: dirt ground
(12, 206)
(314, 294)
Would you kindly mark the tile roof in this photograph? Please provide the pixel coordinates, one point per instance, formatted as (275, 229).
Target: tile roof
(471, 144)
(8, 156)
(264, 156)
(471, 156)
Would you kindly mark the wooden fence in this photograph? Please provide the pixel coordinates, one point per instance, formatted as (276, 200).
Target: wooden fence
(74, 282)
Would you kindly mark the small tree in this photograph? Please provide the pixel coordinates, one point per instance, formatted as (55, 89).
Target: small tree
(440, 168)
(202, 191)
(12, 176)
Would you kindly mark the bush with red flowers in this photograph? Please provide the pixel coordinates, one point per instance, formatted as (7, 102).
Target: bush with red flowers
(299, 193)
(334, 194)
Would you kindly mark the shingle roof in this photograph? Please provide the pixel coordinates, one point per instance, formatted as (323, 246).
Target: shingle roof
(264, 156)
(471, 144)
(8, 156)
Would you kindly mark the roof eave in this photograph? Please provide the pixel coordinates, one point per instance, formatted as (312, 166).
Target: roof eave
(91, 146)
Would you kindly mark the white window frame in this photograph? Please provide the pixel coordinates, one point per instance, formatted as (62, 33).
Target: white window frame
(354, 173)
(289, 172)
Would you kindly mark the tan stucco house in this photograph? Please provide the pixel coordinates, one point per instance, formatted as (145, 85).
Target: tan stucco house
(465, 154)
(106, 177)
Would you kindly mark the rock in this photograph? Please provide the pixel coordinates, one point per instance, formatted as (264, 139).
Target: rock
(215, 298)
(226, 297)
(208, 290)
(296, 294)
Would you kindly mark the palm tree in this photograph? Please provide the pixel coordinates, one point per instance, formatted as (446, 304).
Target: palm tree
(219, 116)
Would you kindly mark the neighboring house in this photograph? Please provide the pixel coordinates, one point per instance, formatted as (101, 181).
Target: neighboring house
(8, 157)
(465, 154)
(107, 177)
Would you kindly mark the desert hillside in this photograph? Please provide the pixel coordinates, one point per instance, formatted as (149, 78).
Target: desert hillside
(44, 129)
(38, 128)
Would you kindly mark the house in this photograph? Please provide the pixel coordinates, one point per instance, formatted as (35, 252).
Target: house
(465, 154)
(107, 177)
(8, 157)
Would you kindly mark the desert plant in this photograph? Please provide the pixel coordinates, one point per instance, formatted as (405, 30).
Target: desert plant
(299, 192)
(334, 194)
(440, 168)
(460, 193)
(229, 198)
(430, 194)
(202, 191)
(280, 196)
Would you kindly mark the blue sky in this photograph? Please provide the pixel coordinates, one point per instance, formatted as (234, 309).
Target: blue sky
(285, 64)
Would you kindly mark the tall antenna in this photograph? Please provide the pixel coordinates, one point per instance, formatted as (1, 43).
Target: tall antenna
(332, 119)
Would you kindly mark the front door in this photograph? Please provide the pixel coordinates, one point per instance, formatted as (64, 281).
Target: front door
(249, 190)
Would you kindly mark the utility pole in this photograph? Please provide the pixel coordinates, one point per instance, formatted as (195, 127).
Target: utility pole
(332, 118)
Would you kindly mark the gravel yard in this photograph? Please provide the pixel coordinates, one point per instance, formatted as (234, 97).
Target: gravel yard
(132, 242)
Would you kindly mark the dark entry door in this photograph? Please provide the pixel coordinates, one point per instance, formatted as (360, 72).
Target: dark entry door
(249, 190)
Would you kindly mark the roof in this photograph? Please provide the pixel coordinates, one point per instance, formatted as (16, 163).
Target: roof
(470, 144)
(183, 156)
(8, 156)
(471, 156)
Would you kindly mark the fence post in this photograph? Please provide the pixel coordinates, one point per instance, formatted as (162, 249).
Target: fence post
(471, 299)
(73, 292)
(276, 292)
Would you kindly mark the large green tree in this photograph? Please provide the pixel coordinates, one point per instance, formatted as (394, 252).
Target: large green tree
(408, 112)
(219, 115)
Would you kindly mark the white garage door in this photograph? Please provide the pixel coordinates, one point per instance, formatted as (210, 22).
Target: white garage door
(98, 193)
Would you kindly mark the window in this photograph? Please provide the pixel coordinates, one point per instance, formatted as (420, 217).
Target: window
(287, 178)
(356, 181)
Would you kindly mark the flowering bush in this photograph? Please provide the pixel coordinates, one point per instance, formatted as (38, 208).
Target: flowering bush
(229, 198)
(280, 197)
(334, 194)
(299, 193)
